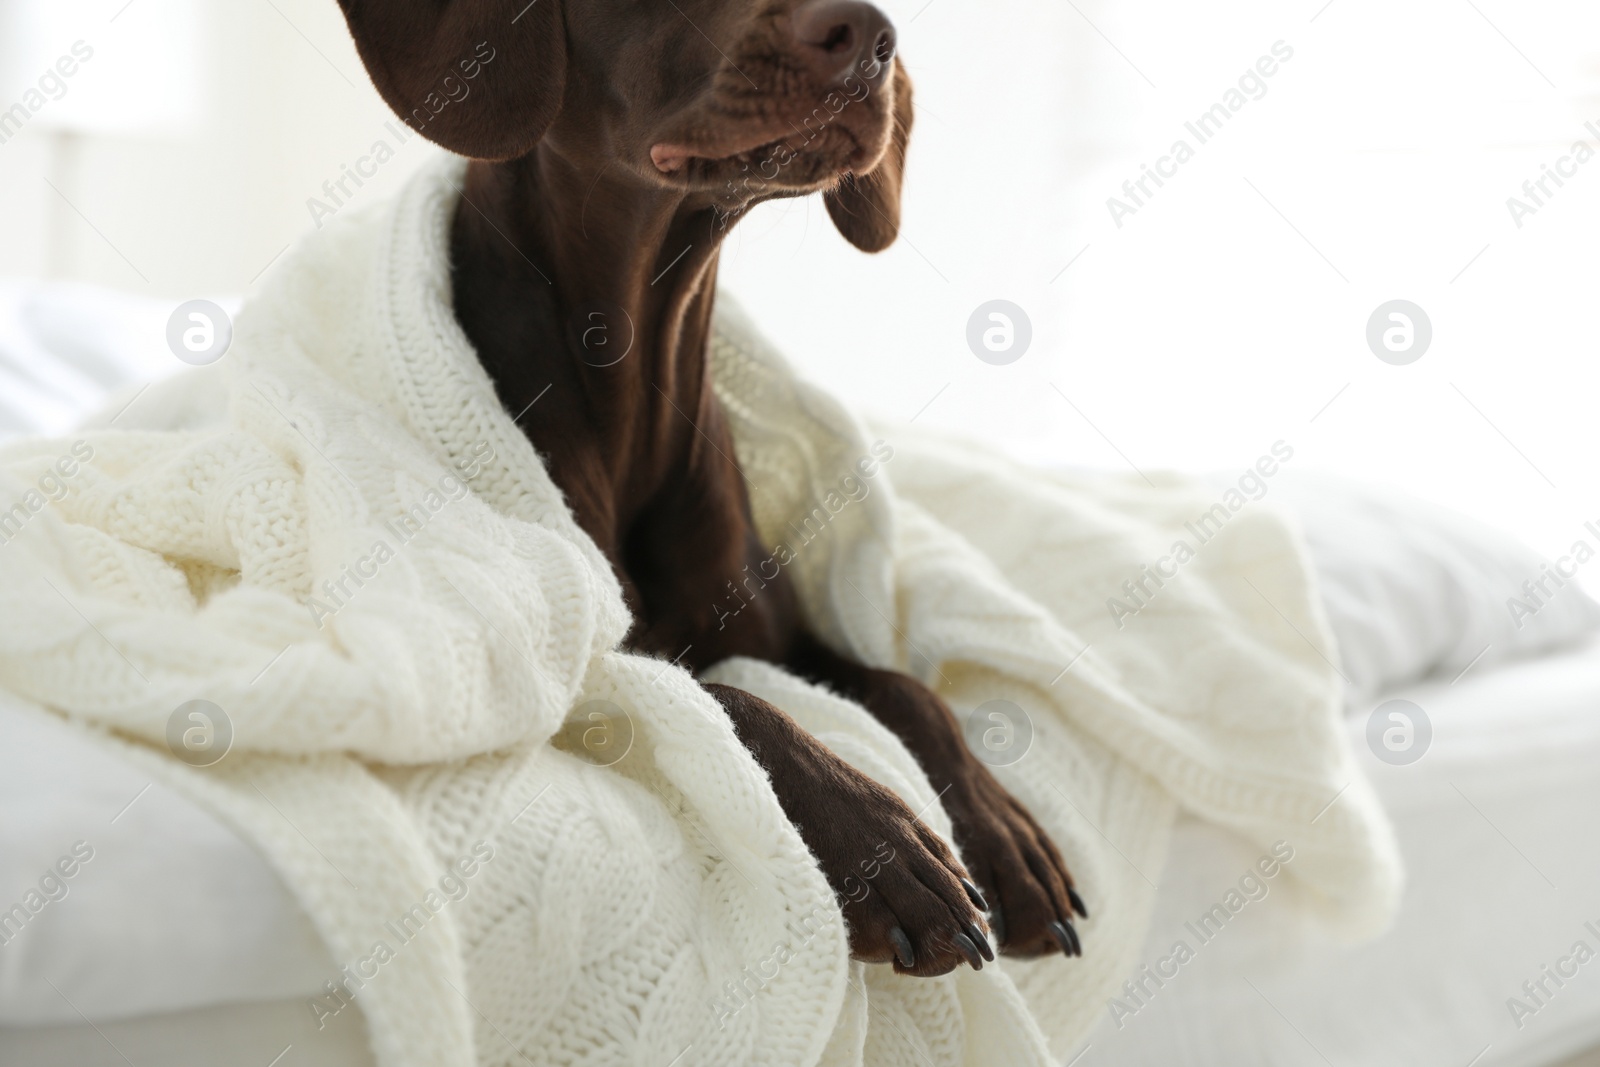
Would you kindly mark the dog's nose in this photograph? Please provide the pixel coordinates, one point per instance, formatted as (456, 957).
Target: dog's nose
(841, 37)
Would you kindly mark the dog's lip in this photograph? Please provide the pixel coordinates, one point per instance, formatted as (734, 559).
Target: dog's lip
(671, 157)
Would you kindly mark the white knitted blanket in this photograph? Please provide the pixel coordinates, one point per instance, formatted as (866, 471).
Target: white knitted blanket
(338, 537)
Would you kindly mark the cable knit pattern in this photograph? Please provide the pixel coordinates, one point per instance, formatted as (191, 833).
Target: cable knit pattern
(396, 710)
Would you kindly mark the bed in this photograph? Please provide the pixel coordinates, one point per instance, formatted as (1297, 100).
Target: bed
(1497, 830)
(170, 941)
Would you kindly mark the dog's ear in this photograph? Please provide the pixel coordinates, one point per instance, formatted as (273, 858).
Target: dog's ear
(483, 78)
(866, 207)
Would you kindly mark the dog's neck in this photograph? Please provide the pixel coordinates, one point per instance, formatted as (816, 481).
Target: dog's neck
(545, 256)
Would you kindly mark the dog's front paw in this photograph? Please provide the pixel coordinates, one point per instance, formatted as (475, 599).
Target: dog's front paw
(905, 895)
(1030, 893)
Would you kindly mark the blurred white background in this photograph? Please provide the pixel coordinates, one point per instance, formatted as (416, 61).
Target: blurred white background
(1228, 313)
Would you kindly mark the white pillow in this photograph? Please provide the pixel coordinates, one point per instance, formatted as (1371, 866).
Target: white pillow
(67, 349)
(1414, 590)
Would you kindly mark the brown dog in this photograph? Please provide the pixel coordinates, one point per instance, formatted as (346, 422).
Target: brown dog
(614, 142)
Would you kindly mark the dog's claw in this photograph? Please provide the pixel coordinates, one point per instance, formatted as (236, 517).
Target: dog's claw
(976, 935)
(1067, 938)
(1077, 942)
(902, 948)
(997, 925)
(976, 896)
(970, 951)
(1077, 902)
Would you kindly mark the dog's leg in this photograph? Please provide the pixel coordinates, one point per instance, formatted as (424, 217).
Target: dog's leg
(905, 896)
(1029, 891)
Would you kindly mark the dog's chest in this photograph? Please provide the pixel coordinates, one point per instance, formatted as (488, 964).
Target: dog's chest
(701, 585)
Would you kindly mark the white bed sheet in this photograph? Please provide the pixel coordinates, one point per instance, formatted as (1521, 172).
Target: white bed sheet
(1498, 825)
(166, 908)
(278, 1033)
